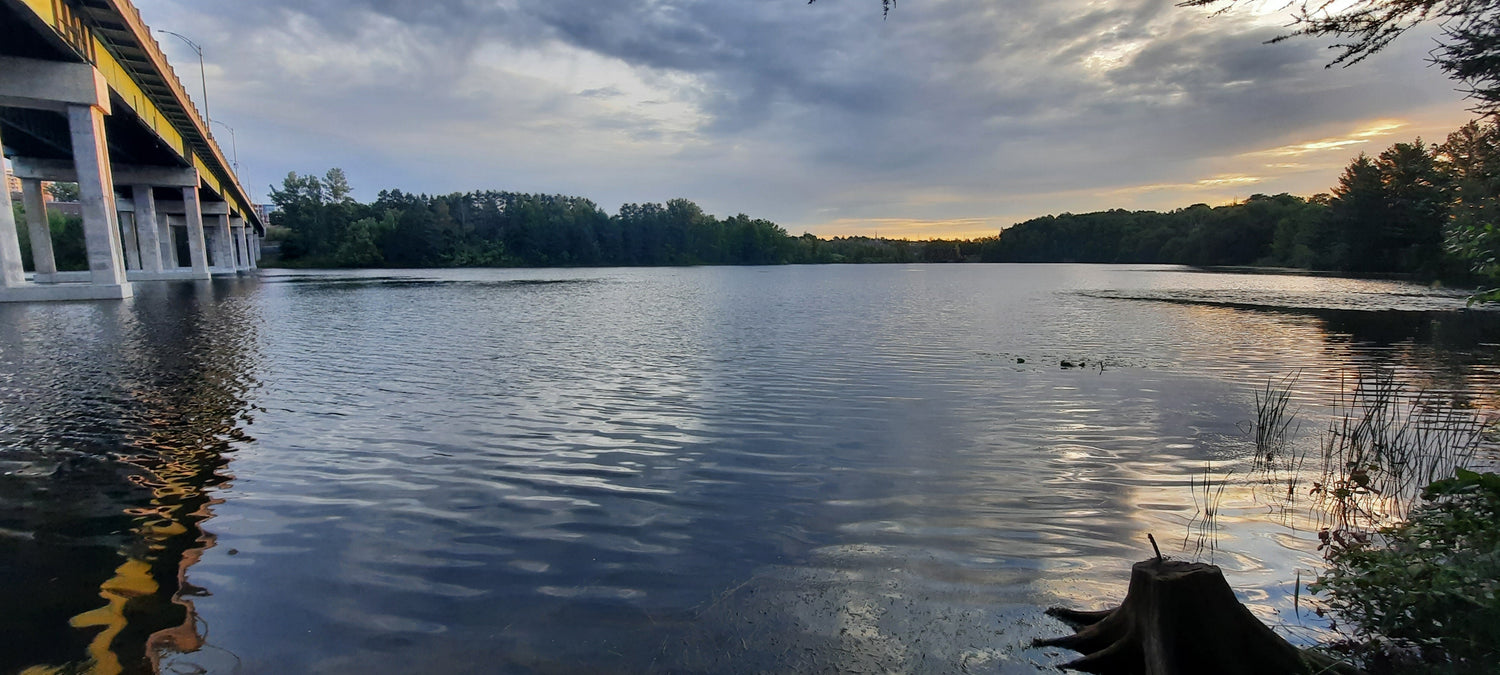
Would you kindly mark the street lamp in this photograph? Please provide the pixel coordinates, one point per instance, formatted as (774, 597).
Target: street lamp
(202, 78)
(233, 143)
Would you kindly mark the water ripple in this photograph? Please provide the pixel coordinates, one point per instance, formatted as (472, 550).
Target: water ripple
(882, 468)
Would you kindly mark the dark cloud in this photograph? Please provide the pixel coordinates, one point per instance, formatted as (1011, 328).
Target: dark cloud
(791, 110)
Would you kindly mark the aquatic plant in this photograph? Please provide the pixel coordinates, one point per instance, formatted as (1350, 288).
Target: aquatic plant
(1272, 420)
(1203, 527)
(1382, 447)
(1413, 553)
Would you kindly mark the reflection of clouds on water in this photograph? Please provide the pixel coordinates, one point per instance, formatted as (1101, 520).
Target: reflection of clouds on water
(837, 468)
(696, 469)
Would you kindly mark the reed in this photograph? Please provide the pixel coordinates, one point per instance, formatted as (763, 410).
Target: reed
(1277, 465)
(1272, 419)
(1382, 446)
(1203, 527)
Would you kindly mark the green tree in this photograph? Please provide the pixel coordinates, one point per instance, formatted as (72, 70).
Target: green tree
(1388, 213)
(336, 188)
(318, 212)
(63, 192)
(1357, 205)
(1416, 203)
(1426, 593)
(360, 247)
(1470, 162)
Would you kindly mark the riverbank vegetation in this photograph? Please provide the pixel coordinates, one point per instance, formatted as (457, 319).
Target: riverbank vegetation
(1416, 208)
(1423, 596)
(1419, 209)
(1411, 535)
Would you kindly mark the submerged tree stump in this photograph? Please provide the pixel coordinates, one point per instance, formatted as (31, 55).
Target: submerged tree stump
(1178, 618)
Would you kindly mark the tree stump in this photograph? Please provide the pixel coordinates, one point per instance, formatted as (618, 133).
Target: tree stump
(1178, 618)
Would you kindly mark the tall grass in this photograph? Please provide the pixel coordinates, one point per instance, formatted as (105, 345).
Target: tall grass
(1203, 527)
(1382, 447)
(1272, 421)
(1278, 458)
(1362, 489)
(1383, 444)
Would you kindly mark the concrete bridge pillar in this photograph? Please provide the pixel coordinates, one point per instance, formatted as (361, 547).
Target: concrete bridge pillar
(43, 262)
(147, 228)
(78, 92)
(211, 241)
(241, 243)
(11, 273)
(224, 252)
(131, 244)
(134, 233)
(96, 194)
(197, 246)
(169, 260)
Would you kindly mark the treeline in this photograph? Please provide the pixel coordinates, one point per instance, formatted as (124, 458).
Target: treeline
(1279, 230)
(1427, 210)
(324, 226)
(1420, 209)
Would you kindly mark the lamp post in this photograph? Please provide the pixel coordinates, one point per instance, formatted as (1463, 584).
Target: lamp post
(202, 77)
(234, 144)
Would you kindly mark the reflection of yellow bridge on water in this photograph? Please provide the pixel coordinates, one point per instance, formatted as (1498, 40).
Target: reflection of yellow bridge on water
(109, 527)
(166, 534)
(87, 96)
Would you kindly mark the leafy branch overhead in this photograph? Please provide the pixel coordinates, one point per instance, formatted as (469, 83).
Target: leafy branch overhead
(1469, 50)
(885, 6)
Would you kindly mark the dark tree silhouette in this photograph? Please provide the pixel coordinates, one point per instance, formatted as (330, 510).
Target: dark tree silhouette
(1469, 51)
(885, 6)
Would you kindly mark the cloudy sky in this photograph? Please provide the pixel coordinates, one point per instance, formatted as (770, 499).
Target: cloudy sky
(949, 118)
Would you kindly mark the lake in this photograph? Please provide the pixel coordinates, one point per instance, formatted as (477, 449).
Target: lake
(751, 469)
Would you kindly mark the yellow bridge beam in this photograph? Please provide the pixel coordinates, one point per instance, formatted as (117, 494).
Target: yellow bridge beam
(189, 135)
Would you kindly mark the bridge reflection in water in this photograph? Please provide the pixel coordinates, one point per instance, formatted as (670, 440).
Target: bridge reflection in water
(110, 462)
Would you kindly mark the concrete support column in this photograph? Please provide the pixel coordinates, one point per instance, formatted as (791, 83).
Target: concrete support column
(147, 228)
(11, 272)
(131, 245)
(254, 249)
(211, 241)
(241, 243)
(42, 259)
(197, 247)
(168, 243)
(226, 243)
(96, 193)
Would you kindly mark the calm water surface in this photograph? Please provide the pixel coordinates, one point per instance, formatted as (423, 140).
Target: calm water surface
(786, 469)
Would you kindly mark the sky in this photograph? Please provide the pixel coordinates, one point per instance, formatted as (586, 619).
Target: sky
(947, 118)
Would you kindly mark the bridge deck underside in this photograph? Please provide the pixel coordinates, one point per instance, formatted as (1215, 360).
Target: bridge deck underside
(42, 134)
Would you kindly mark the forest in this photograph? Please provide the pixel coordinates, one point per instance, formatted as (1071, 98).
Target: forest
(320, 225)
(1416, 208)
(1425, 210)
(1428, 211)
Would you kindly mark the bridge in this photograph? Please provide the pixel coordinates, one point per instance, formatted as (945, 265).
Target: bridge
(87, 96)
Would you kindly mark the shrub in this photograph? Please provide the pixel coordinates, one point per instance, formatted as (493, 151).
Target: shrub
(1424, 595)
